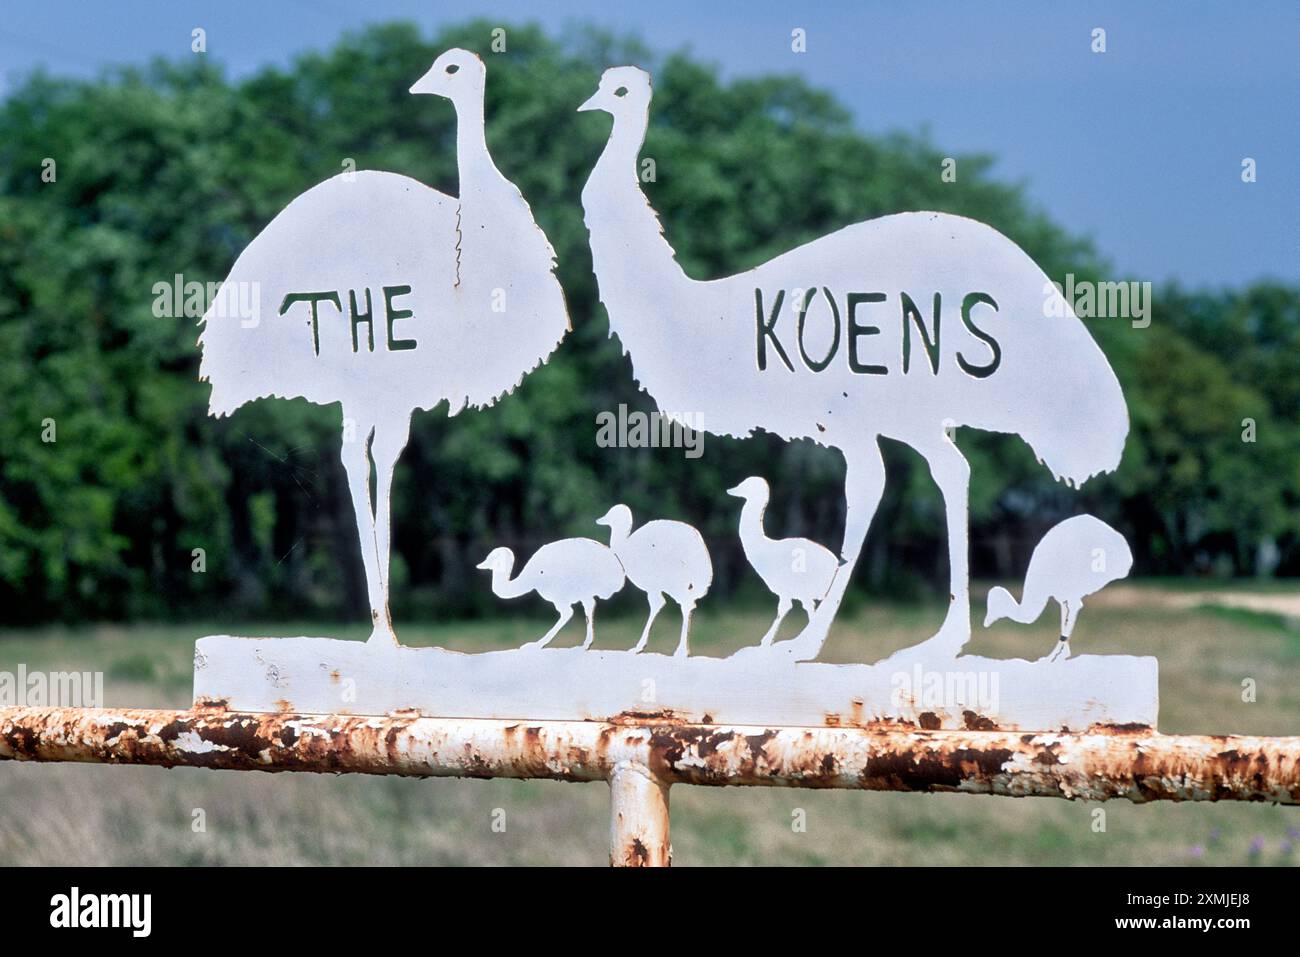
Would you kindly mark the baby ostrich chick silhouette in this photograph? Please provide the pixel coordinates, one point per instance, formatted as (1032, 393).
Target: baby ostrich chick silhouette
(569, 572)
(793, 569)
(661, 558)
(1078, 557)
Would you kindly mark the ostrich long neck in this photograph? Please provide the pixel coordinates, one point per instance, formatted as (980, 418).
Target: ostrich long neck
(618, 535)
(751, 523)
(633, 262)
(503, 587)
(475, 163)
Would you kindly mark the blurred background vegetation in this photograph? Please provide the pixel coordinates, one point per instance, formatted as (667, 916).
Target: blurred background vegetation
(172, 169)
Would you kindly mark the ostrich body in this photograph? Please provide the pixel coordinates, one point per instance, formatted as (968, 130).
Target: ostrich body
(1076, 558)
(427, 299)
(693, 347)
(661, 558)
(569, 572)
(793, 569)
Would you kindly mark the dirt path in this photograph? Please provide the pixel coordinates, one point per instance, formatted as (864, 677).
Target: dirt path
(1279, 603)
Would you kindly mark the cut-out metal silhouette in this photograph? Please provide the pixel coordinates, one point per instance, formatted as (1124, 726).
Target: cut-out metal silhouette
(1076, 558)
(572, 571)
(383, 295)
(793, 569)
(661, 558)
(905, 327)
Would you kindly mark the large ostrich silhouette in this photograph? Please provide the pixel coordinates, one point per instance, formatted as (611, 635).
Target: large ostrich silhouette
(386, 296)
(905, 327)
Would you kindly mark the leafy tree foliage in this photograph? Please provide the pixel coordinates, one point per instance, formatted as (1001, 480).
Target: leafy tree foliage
(112, 475)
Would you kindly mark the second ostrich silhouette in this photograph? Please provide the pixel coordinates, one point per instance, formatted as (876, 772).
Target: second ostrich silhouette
(374, 291)
(840, 341)
(793, 569)
(661, 558)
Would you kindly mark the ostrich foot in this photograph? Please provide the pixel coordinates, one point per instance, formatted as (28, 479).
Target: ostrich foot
(766, 641)
(943, 645)
(1060, 653)
(682, 651)
(806, 645)
(759, 654)
(382, 636)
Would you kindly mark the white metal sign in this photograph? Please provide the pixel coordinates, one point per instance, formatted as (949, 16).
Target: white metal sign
(381, 294)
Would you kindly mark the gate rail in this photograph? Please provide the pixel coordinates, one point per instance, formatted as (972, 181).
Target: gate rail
(644, 756)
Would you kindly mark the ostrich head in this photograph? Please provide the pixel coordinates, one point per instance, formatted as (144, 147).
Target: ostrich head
(624, 93)
(499, 560)
(457, 74)
(752, 489)
(618, 520)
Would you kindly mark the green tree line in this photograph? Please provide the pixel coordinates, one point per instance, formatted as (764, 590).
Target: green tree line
(112, 476)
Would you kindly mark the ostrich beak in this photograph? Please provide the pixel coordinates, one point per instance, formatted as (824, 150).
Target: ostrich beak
(485, 565)
(592, 103)
(425, 84)
(736, 491)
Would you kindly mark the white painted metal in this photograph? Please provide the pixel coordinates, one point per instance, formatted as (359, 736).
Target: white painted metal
(376, 292)
(793, 569)
(324, 675)
(638, 818)
(661, 558)
(814, 344)
(904, 327)
(1077, 557)
(573, 571)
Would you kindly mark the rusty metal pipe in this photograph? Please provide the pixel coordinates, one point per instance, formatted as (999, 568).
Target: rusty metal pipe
(638, 819)
(1135, 763)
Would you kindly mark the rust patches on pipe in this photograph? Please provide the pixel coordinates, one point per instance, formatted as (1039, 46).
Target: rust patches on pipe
(662, 716)
(1133, 763)
(638, 824)
(977, 722)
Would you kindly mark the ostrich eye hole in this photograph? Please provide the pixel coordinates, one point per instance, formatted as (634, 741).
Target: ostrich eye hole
(621, 91)
(453, 68)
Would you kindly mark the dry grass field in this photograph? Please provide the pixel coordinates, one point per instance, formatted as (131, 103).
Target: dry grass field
(129, 815)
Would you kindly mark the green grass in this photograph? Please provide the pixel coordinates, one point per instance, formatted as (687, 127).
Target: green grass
(86, 814)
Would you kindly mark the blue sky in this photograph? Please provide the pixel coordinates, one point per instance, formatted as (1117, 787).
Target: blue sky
(1139, 148)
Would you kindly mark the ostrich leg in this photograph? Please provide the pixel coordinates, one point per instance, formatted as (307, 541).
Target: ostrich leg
(356, 462)
(864, 484)
(951, 472)
(385, 447)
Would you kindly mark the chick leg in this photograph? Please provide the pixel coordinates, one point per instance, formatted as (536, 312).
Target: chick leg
(683, 650)
(782, 609)
(1069, 612)
(656, 603)
(566, 612)
(589, 606)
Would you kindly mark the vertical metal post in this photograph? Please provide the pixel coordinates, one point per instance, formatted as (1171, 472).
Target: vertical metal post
(638, 820)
